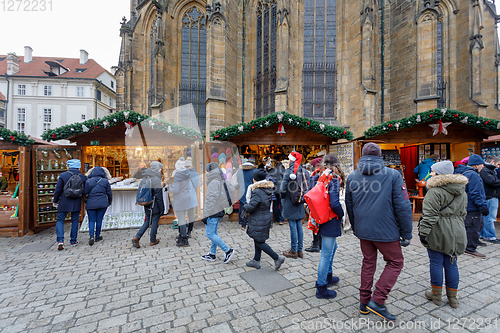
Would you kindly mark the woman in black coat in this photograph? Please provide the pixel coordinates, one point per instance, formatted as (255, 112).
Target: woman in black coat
(259, 205)
(99, 197)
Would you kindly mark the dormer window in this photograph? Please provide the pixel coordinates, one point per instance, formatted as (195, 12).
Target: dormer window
(81, 70)
(55, 68)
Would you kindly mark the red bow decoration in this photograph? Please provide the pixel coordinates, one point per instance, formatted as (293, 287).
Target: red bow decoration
(345, 132)
(486, 123)
(308, 123)
(390, 125)
(54, 135)
(12, 138)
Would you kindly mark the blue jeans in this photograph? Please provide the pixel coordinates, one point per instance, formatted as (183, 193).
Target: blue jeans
(211, 231)
(278, 209)
(328, 248)
(95, 217)
(61, 216)
(438, 261)
(155, 218)
(488, 231)
(296, 234)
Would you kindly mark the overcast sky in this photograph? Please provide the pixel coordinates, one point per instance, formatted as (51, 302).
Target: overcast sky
(67, 27)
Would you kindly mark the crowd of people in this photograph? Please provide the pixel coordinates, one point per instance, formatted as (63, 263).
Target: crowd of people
(459, 208)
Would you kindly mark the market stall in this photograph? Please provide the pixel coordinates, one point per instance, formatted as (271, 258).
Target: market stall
(16, 171)
(120, 142)
(442, 134)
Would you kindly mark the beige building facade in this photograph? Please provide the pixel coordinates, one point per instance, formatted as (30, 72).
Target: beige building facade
(342, 62)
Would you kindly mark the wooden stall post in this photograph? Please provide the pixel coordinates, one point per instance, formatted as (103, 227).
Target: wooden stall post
(25, 209)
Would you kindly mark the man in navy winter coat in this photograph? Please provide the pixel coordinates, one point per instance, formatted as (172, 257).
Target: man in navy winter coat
(65, 204)
(476, 203)
(379, 209)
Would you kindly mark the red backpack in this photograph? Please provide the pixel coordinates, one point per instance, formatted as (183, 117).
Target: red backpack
(318, 201)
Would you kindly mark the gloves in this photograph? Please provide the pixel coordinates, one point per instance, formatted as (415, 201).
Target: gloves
(404, 242)
(423, 239)
(485, 211)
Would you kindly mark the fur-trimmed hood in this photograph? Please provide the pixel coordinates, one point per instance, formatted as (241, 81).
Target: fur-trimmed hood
(266, 185)
(248, 166)
(453, 183)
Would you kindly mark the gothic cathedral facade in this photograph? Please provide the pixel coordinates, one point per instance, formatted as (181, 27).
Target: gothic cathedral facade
(342, 62)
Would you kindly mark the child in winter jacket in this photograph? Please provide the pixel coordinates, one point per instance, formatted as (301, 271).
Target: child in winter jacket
(259, 205)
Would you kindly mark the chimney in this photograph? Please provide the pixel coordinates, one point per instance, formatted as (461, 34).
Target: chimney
(12, 64)
(84, 57)
(28, 54)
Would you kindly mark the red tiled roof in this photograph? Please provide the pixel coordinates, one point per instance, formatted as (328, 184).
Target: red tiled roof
(2, 97)
(39, 65)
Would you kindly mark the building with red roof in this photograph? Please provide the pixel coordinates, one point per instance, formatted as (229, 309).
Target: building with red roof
(40, 93)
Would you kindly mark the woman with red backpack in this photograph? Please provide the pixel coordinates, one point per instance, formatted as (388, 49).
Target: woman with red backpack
(334, 179)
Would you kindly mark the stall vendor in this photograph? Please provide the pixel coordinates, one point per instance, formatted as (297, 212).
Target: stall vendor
(424, 169)
(3, 182)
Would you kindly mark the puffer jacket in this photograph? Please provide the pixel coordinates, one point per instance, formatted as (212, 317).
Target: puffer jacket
(97, 190)
(476, 198)
(377, 202)
(259, 207)
(491, 181)
(424, 169)
(214, 205)
(444, 229)
(180, 190)
(158, 206)
(292, 211)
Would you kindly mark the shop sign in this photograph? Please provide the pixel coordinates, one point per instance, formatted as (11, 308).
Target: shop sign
(94, 143)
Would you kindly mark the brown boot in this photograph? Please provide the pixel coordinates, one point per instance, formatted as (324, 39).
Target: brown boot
(435, 295)
(300, 254)
(155, 242)
(452, 297)
(135, 242)
(290, 254)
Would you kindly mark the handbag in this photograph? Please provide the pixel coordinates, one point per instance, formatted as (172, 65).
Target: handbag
(318, 201)
(87, 196)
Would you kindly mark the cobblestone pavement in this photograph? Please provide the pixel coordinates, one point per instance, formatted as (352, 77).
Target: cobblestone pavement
(112, 287)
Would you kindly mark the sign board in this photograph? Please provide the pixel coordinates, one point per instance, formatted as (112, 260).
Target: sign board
(345, 153)
(391, 157)
(86, 167)
(94, 143)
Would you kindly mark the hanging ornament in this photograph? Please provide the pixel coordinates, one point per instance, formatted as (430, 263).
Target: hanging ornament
(114, 119)
(169, 129)
(498, 125)
(85, 128)
(478, 122)
(280, 116)
(126, 113)
(409, 122)
(443, 111)
(129, 129)
(322, 126)
(105, 123)
(419, 119)
(139, 118)
(152, 124)
(290, 120)
(183, 132)
(455, 115)
(72, 129)
(260, 125)
(240, 128)
(297, 122)
(281, 130)
(267, 123)
(385, 128)
(440, 127)
(397, 126)
(465, 120)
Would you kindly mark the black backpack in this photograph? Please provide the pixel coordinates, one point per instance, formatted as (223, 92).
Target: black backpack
(74, 186)
(296, 188)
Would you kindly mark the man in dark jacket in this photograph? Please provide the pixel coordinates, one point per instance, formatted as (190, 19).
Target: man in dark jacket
(247, 168)
(155, 210)
(65, 204)
(492, 190)
(476, 203)
(379, 209)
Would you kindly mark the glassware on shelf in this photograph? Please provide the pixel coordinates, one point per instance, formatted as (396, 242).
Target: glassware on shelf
(52, 178)
(57, 154)
(41, 164)
(56, 165)
(45, 153)
(45, 178)
(68, 155)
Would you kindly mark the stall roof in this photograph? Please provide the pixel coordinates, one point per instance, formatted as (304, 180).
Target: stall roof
(425, 127)
(112, 128)
(298, 130)
(11, 138)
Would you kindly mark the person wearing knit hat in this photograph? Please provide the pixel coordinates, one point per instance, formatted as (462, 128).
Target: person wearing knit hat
(251, 159)
(476, 203)
(66, 204)
(380, 213)
(292, 211)
(259, 201)
(442, 231)
(491, 189)
(154, 210)
(213, 212)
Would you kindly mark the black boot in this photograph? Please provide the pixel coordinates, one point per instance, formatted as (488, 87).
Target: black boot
(183, 241)
(315, 245)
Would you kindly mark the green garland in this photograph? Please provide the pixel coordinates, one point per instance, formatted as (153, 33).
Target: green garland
(286, 119)
(434, 115)
(119, 118)
(15, 137)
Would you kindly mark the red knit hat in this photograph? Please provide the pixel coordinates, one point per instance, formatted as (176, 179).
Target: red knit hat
(296, 158)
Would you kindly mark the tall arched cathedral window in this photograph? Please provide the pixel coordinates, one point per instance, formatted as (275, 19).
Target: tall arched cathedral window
(265, 84)
(441, 84)
(153, 49)
(319, 74)
(194, 67)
